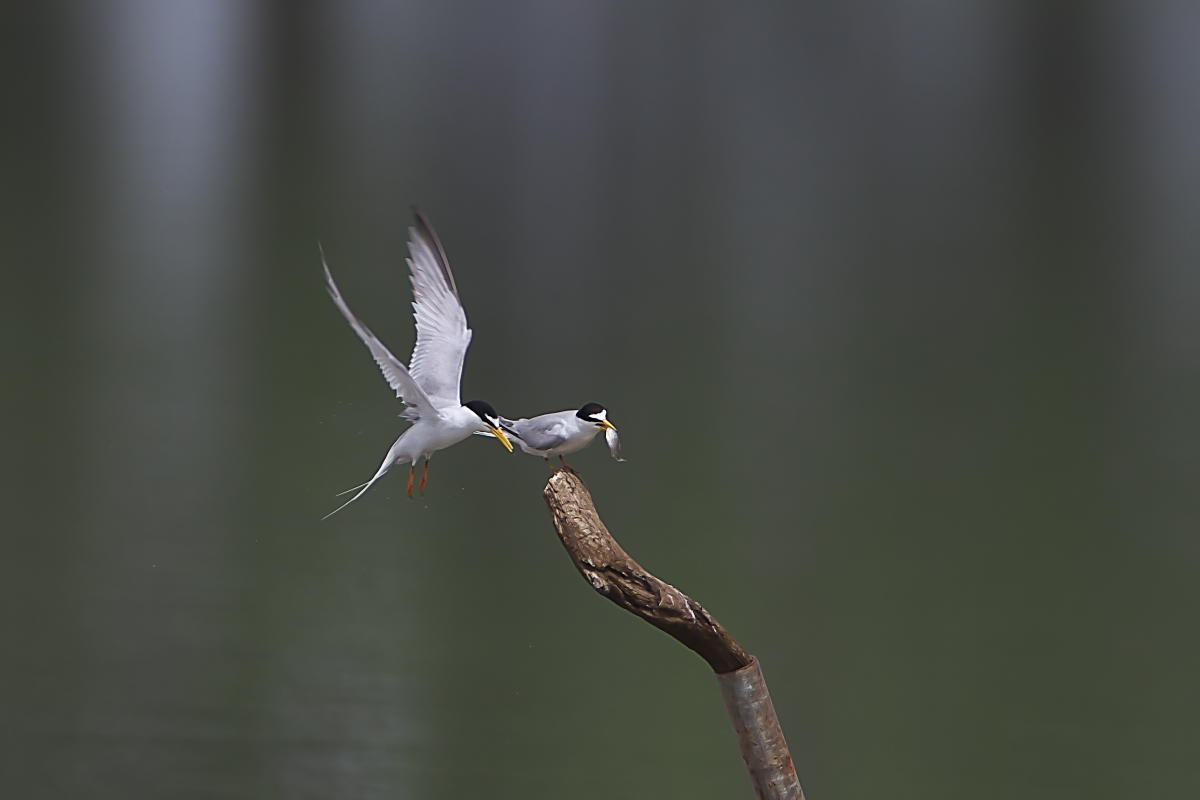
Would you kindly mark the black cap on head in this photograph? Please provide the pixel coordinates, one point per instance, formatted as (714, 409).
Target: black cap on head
(483, 410)
(589, 410)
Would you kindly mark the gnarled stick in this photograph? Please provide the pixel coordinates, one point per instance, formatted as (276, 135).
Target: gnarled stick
(613, 573)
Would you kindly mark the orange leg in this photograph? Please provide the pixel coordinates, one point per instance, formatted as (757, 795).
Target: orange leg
(410, 480)
(424, 477)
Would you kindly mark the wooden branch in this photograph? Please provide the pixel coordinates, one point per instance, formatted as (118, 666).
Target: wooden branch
(613, 573)
(760, 736)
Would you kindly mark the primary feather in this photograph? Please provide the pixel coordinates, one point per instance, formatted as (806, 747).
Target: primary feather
(394, 371)
(442, 332)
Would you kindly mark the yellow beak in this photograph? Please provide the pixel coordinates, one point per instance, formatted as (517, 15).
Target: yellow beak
(503, 437)
(606, 425)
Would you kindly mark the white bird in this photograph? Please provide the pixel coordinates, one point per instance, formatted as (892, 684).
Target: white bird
(429, 385)
(561, 433)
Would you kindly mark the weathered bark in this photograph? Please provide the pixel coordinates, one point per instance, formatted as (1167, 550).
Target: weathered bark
(613, 573)
(760, 736)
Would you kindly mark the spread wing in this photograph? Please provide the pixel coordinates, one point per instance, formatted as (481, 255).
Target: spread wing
(396, 374)
(442, 332)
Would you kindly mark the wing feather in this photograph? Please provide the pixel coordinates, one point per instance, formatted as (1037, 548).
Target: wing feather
(396, 374)
(442, 332)
(540, 433)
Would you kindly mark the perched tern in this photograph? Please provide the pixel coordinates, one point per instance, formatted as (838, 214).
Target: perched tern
(429, 385)
(562, 432)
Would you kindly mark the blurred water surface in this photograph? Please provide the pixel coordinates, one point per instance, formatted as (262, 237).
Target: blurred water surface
(895, 307)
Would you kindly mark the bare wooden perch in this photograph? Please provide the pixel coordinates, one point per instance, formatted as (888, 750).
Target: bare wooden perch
(613, 573)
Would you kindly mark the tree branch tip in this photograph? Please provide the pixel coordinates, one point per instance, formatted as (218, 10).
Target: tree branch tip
(565, 480)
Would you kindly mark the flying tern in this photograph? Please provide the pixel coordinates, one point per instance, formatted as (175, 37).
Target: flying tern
(429, 385)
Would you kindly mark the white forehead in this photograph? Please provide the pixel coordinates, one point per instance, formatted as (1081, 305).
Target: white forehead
(601, 414)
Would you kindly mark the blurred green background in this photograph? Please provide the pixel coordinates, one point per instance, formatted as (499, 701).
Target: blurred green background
(895, 305)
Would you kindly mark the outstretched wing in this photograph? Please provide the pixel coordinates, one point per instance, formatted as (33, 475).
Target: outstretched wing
(442, 332)
(396, 374)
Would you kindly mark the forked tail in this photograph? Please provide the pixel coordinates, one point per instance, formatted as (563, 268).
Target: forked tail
(387, 464)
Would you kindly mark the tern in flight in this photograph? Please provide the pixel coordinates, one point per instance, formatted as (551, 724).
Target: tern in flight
(429, 385)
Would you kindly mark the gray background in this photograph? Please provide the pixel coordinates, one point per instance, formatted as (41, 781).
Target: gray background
(895, 305)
